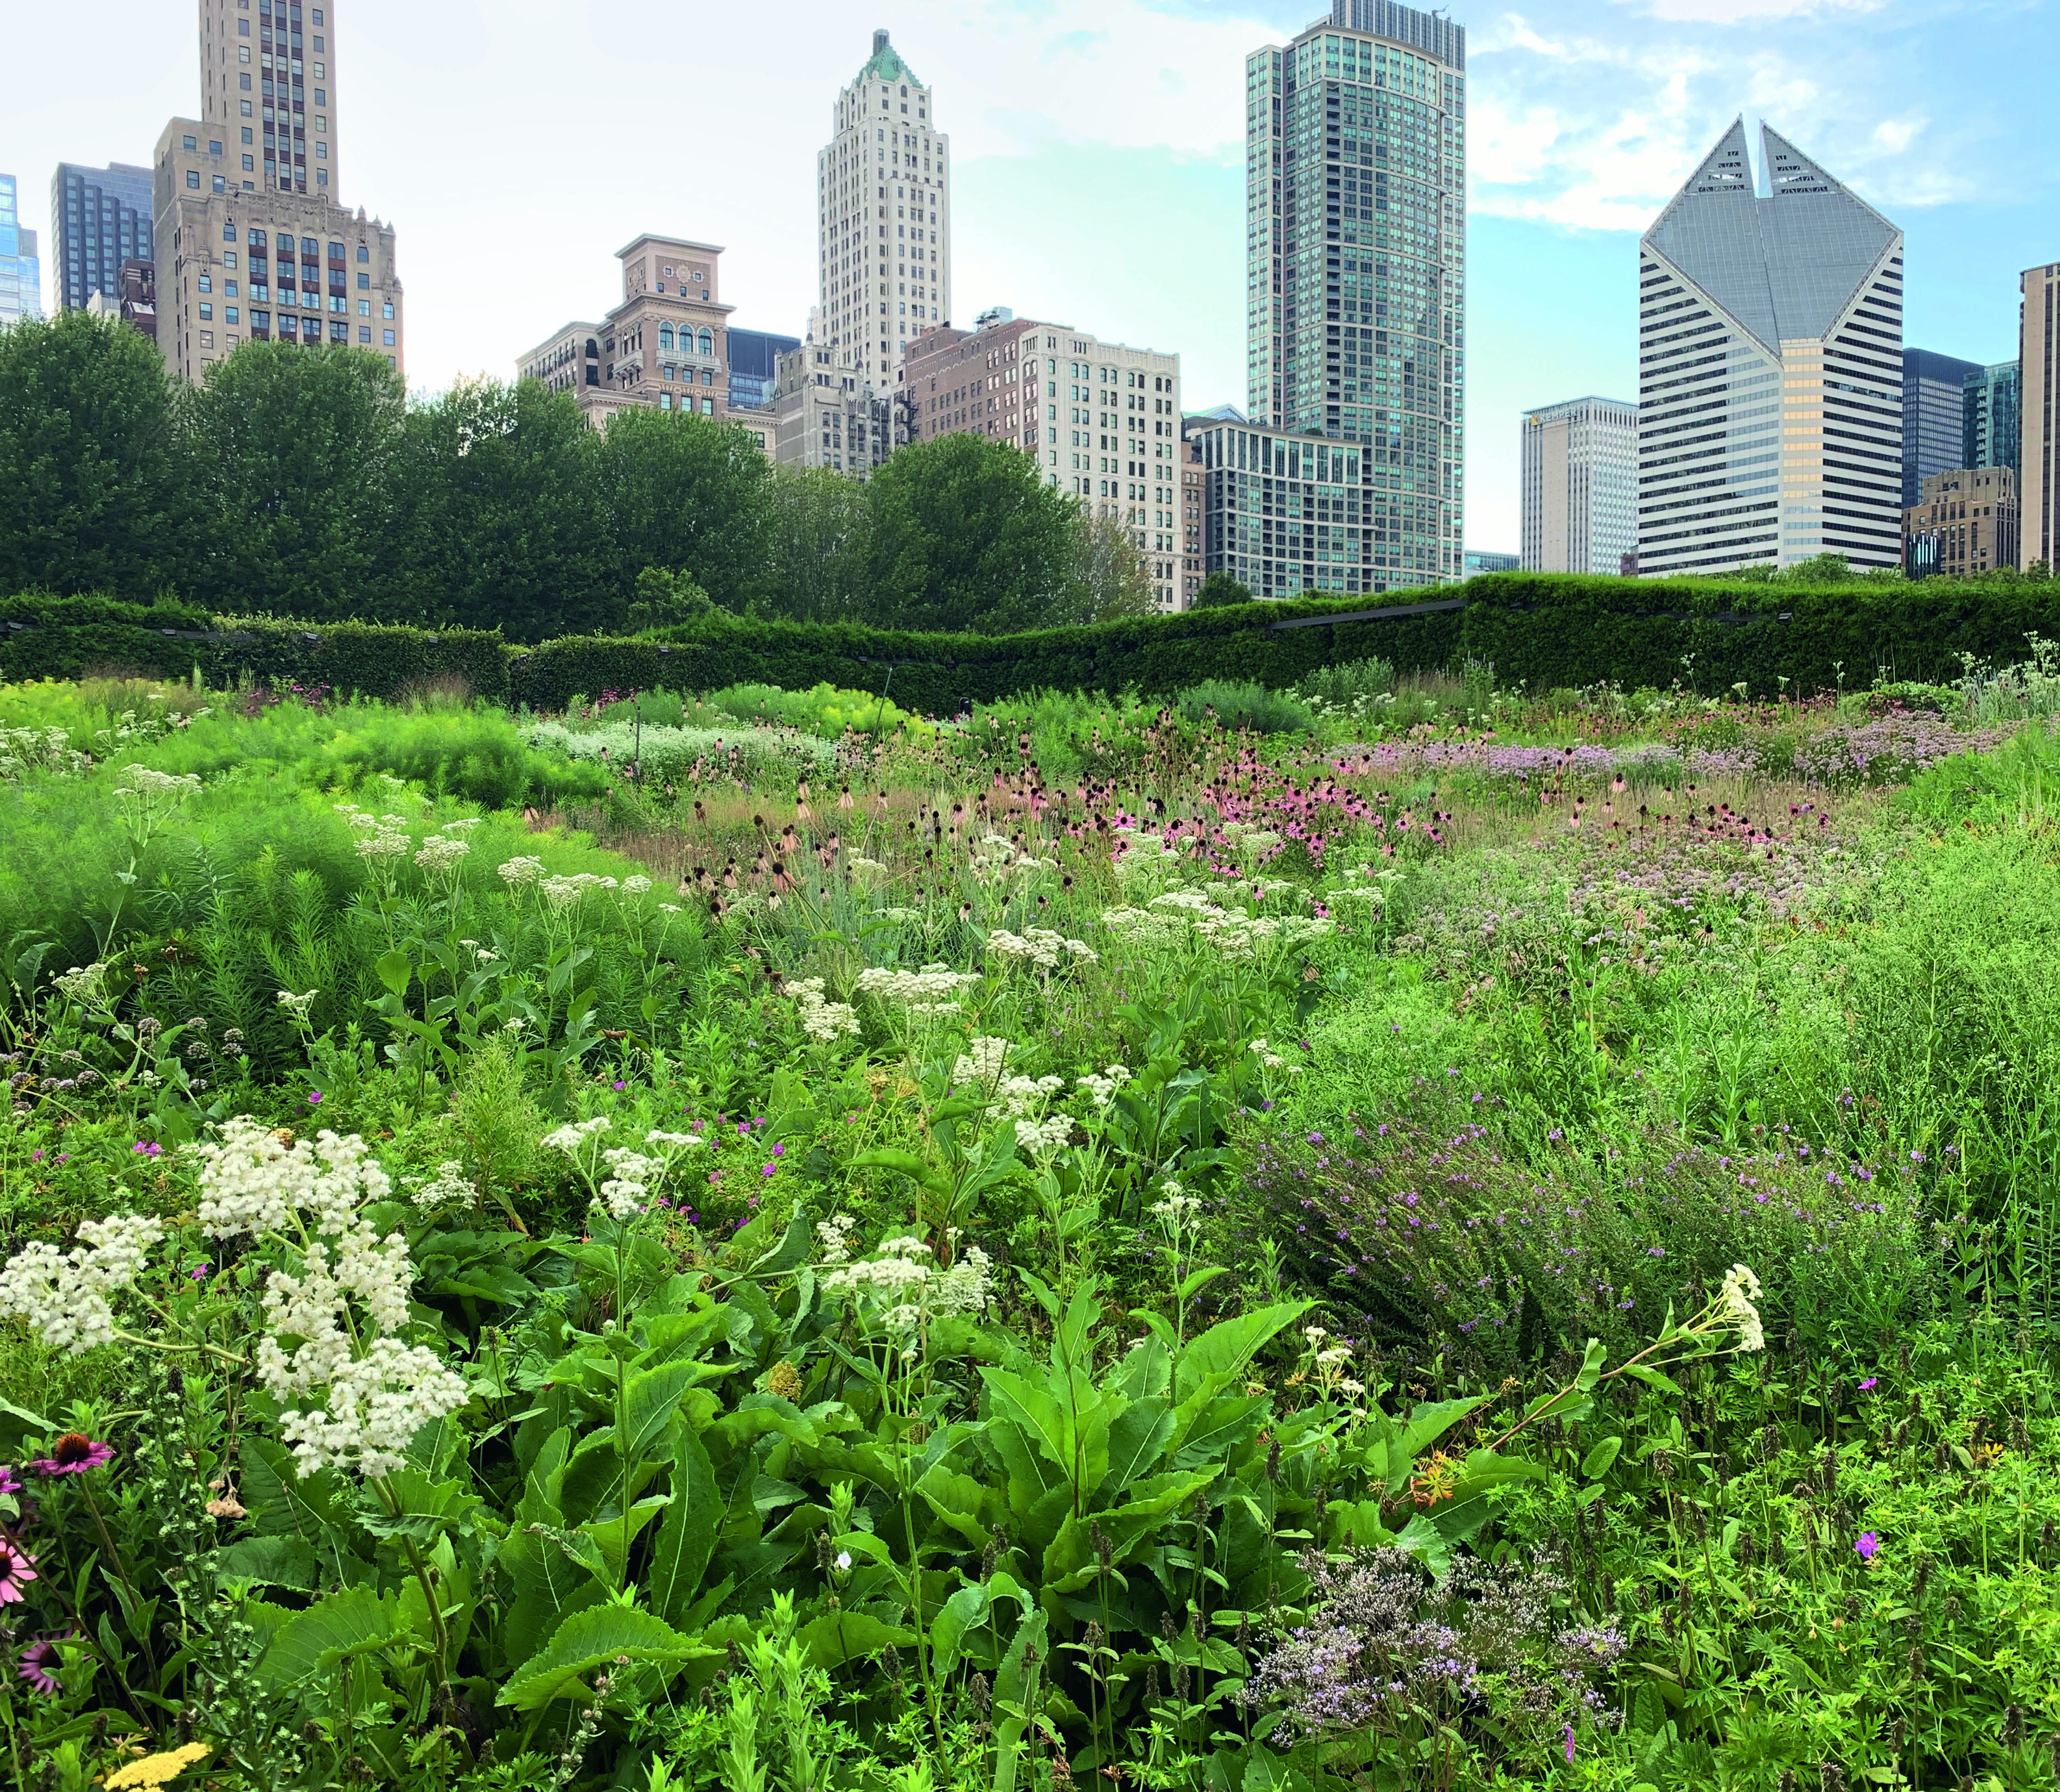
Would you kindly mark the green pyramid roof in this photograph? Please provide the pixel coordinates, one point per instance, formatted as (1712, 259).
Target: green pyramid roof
(886, 63)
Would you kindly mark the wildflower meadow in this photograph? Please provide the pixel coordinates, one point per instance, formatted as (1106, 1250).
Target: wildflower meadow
(1400, 1234)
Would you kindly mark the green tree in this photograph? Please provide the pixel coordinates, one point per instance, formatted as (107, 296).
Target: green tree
(502, 521)
(817, 544)
(89, 465)
(965, 535)
(1109, 573)
(294, 455)
(664, 599)
(686, 492)
(1220, 587)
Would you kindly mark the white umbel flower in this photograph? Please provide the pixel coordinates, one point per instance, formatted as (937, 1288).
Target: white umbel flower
(63, 1296)
(1734, 1302)
(374, 1406)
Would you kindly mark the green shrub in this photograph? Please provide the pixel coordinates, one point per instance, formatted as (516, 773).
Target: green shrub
(1244, 704)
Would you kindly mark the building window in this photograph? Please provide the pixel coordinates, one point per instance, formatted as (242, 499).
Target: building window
(189, 143)
(364, 308)
(387, 337)
(193, 179)
(707, 407)
(364, 333)
(229, 314)
(665, 343)
(207, 311)
(386, 309)
(707, 343)
(250, 166)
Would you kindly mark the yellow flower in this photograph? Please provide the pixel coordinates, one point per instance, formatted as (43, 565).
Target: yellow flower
(155, 1770)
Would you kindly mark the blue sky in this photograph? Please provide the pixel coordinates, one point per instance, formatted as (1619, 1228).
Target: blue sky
(1099, 149)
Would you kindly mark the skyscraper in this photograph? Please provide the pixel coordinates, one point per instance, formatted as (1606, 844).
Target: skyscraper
(1933, 417)
(100, 217)
(882, 218)
(1990, 418)
(21, 272)
(1580, 486)
(252, 241)
(1355, 240)
(1770, 369)
(2038, 362)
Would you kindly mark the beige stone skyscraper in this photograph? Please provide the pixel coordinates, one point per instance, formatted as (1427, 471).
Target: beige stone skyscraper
(883, 219)
(2038, 463)
(252, 241)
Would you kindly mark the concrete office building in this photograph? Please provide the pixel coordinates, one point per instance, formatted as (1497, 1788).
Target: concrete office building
(1356, 236)
(663, 346)
(1579, 486)
(1100, 420)
(2039, 454)
(883, 219)
(20, 268)
(252, 242)
(1991, 422)
(1771, 370)
(1935, 391)
(830, 413)
(1194, 496)
(100, 217)
(1964, 522)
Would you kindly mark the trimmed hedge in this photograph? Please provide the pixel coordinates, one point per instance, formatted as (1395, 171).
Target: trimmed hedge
(1560, 629)
(1544, 629)
(938, 674)
(70, 637)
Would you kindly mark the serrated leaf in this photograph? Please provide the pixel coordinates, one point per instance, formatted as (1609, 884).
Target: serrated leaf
(596, 1638)
(269, 1562)
(355, 1622)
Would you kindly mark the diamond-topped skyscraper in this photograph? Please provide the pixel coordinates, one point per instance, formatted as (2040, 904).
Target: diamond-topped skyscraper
(883, 219)
(1771, 369)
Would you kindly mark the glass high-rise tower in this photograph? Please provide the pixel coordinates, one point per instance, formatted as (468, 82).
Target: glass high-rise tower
(1991, 416)
(1770, 339)
(1355, 245)
(100, 217)
(21, 270)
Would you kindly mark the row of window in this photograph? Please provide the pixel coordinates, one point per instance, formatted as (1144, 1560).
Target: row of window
(689, 343)
(686, 404)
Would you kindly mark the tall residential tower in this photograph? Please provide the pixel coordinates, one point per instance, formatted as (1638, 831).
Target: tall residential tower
(1580, 486)
(2038, 390)
(883, 219)
(1991, 425)
(1354, 291)
(252, 241)
(1771, 370)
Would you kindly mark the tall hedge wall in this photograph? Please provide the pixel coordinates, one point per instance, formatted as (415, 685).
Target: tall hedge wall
(1544, 629)
(1274, 643)
(1552, 629)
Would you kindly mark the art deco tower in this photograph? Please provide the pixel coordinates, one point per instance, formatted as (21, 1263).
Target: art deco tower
(1771, 377)
(883, 219)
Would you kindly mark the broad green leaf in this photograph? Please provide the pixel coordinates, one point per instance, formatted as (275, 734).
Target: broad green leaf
(549, 1586)
(793, 1248)
(613, 1536)
(838, 1636)
(1652, 1378)
(351, 1622)
(279, 1500)
(270, 1561)
(1225, 1348)
(395, 971)
(427, 1507)
(687, 1538)
(652, 1397)
(1597, 1461)
(965, 1610)
(956, 1499)
(593, 1638)
(1136, 1440)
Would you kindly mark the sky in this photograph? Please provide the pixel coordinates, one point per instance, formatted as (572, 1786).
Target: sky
(1099, 155)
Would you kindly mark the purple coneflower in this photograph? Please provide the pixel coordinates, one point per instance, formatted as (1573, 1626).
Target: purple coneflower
(17, 1570)
(39, 1664)
(73, 1454)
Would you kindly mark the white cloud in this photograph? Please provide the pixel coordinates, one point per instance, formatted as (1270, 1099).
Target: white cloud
(1749, 12)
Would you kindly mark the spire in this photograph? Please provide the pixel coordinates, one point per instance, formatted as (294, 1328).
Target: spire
(886, 63)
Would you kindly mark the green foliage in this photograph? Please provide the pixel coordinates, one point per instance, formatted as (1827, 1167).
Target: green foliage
(824, 710)
(677, 489)
(1244, 703)
(96, 488)
(664, 599)
(966, 536)
(1219, 589)
(819, 526)
(295, 459)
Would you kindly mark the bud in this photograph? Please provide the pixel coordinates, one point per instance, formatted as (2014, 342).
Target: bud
(986, 1563)
(1273, 1460)
(735, 1657)
(1833, 1776)
(2013, 1726)
(978, 1693)
(1244, 1634)
(1180, 1682)
(825, 1560)
(891, 1657)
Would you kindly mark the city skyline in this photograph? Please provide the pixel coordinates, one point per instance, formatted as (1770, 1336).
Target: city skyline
(1098, 163)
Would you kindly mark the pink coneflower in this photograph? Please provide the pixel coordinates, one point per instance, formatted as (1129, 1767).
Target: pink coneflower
(39, 1664)
(17, 1570)
(73, 1454)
